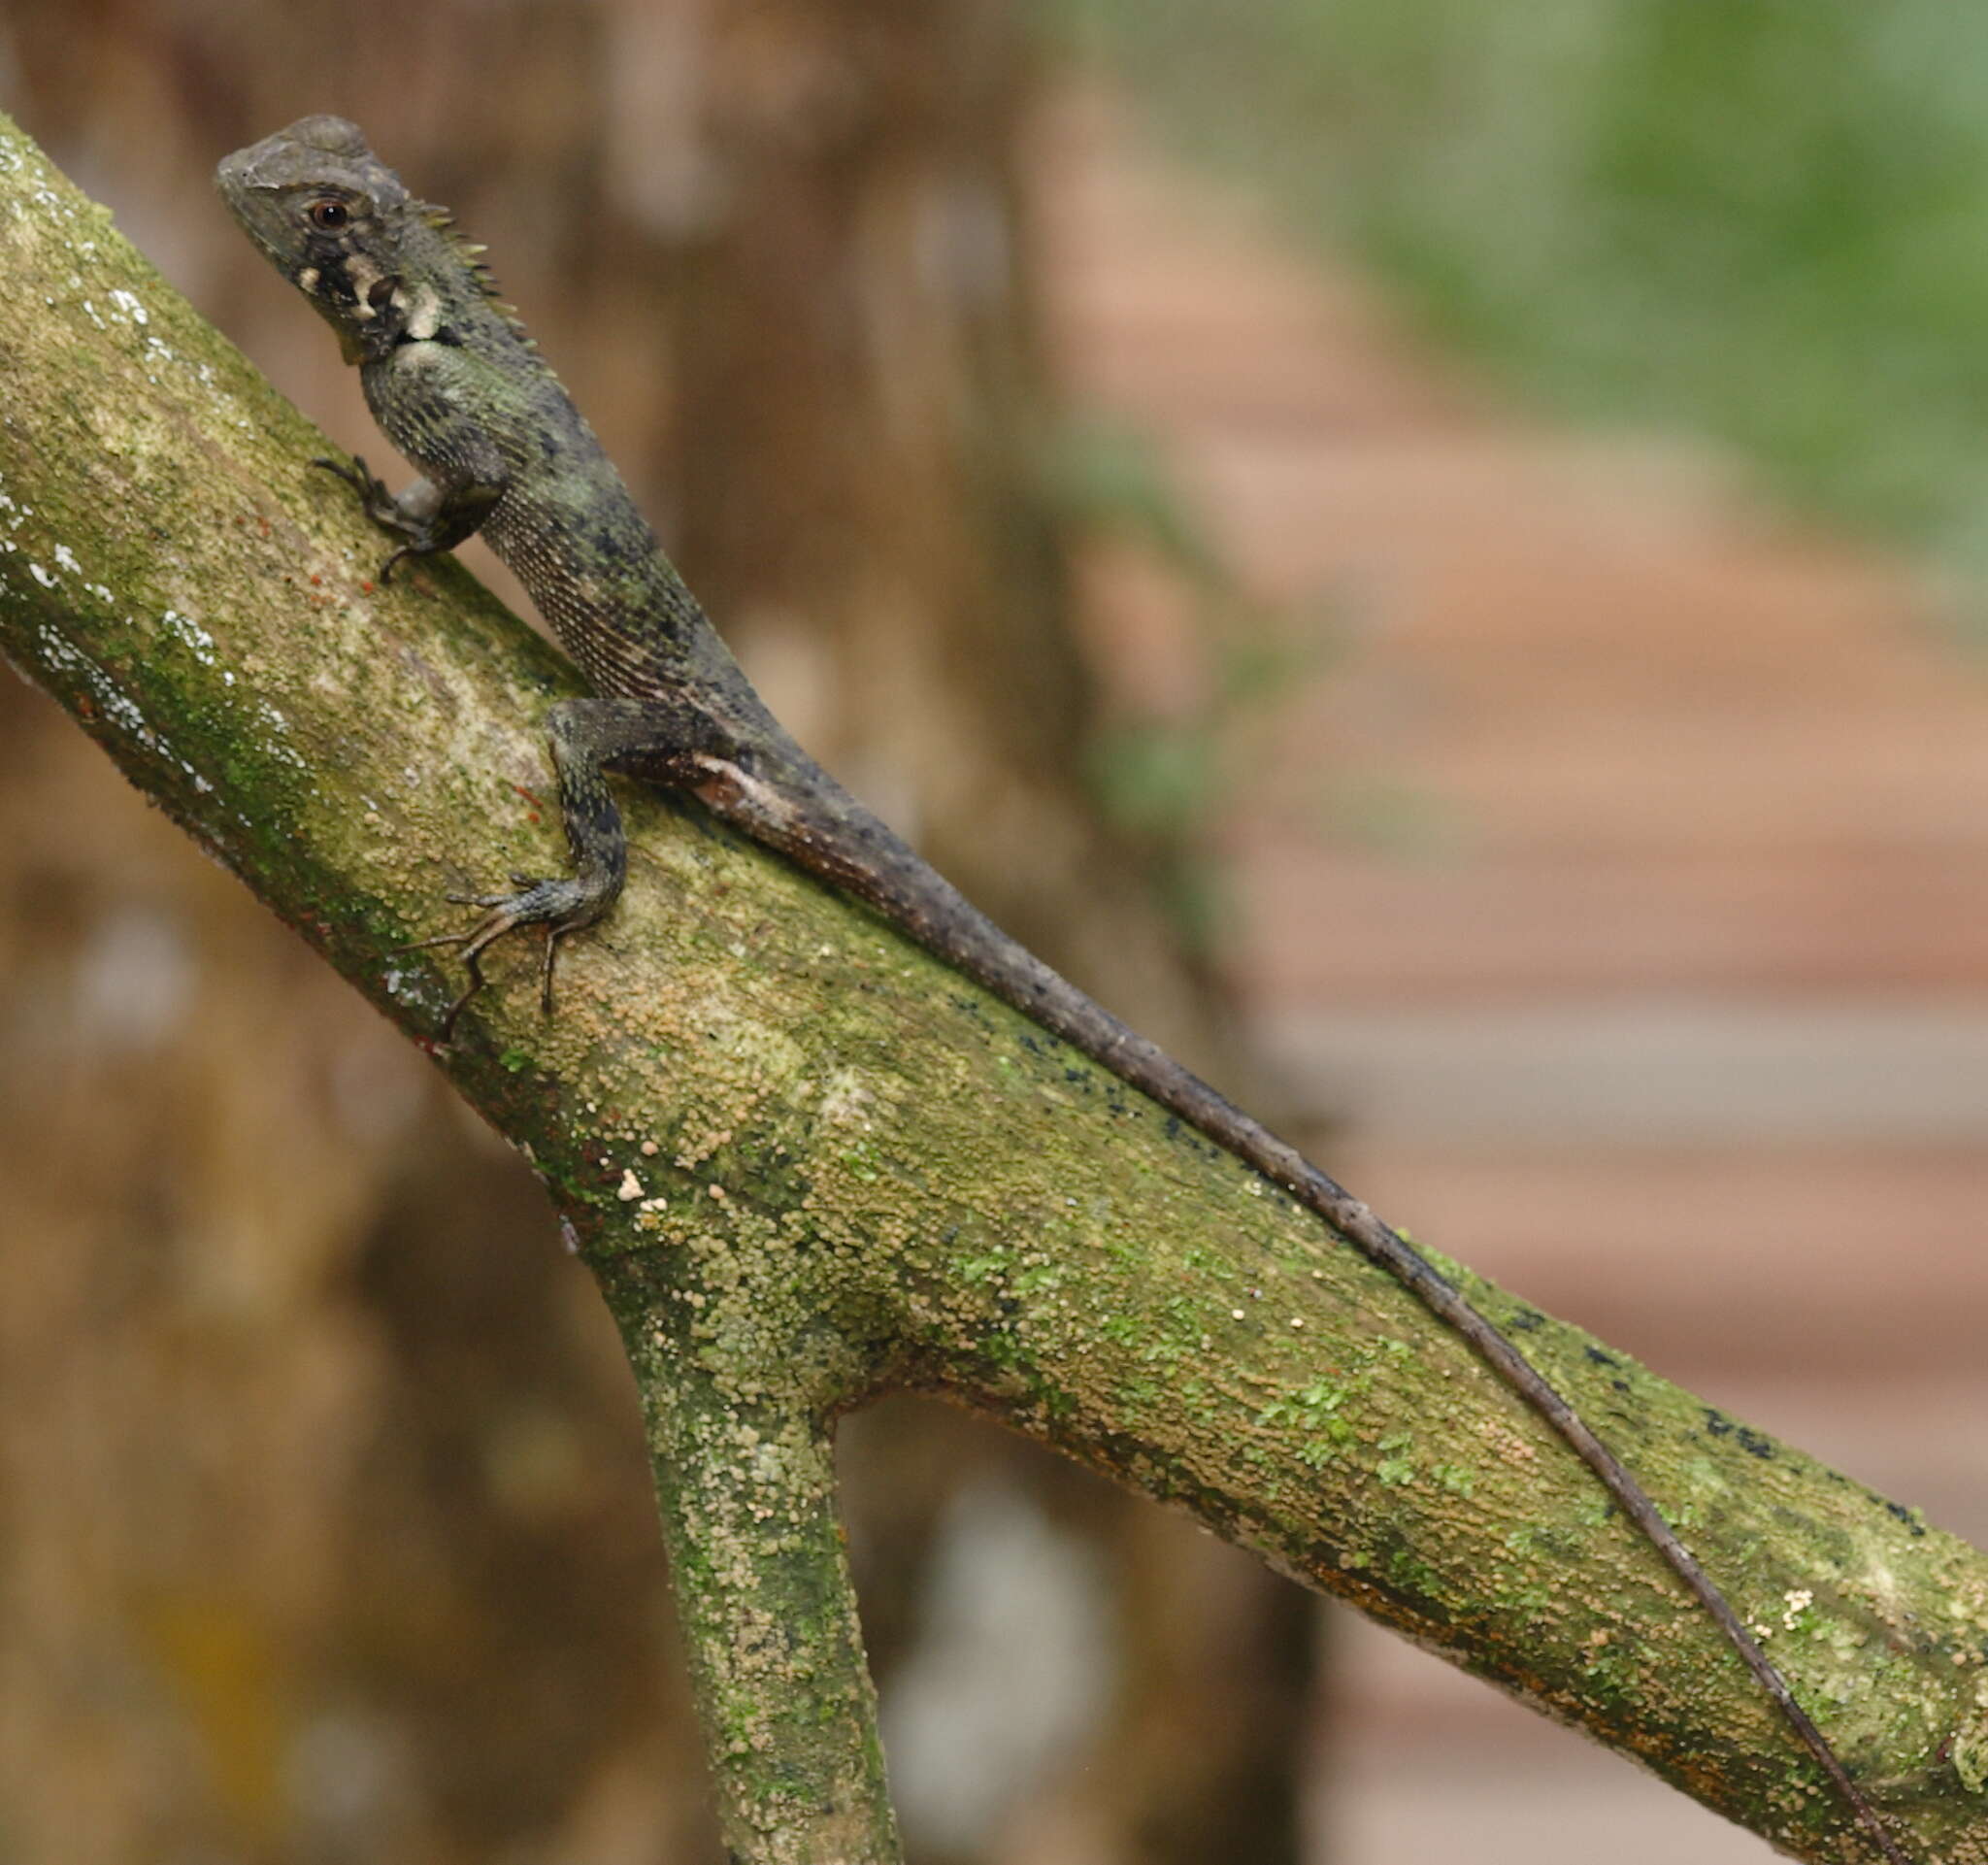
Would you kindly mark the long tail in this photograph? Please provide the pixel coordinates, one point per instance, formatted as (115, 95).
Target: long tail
(809, 817)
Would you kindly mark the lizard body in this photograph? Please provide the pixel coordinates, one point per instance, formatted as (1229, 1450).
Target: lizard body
(462, 393)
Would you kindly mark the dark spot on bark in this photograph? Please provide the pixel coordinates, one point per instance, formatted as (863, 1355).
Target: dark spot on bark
(1600, 1359)
(1748, 1440)
(1524, 1320)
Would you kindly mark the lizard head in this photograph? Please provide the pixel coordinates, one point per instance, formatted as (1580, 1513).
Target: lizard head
(335, 221)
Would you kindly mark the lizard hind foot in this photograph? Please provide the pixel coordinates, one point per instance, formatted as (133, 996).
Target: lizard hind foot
(561, 906)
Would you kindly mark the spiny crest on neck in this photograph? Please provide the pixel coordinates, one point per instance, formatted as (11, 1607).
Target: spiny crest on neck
(471, 254)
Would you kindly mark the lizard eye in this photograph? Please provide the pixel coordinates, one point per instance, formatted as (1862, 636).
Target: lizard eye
(329, 215)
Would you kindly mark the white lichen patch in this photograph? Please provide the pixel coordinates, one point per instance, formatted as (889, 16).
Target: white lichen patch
(184, 629)
(128, 302)
(112, 702)
(1882, 1585)
(631, 1188)
(279, 727)
(847, 1099)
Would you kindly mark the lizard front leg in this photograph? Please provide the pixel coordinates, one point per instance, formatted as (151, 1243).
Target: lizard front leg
(660, 740)
(427, 517)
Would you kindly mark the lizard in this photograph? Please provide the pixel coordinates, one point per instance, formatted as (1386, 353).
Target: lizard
(459, 389)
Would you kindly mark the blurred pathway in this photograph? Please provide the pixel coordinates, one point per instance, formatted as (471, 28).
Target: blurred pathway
(1625, 828)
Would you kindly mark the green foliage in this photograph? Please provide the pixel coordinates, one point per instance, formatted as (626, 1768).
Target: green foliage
(1110, 477)
(1767, 223)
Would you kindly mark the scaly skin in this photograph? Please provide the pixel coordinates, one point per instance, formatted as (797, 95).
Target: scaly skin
(463, 394)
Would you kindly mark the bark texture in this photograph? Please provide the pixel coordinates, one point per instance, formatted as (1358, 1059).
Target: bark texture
(808, 1164)
(670, 184)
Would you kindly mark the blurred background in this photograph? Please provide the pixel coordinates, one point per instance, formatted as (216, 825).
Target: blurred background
(1430, 556)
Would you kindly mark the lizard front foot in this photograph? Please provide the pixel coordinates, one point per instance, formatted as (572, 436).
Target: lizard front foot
(562, 906)
(423, 536)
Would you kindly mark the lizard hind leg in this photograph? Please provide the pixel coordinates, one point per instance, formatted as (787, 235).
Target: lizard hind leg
(587, 737)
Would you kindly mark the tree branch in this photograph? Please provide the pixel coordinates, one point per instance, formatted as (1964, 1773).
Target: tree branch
(747, 1491)
(807, 1163)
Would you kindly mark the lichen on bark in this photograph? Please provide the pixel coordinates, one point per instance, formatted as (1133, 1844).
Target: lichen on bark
(808, 1164)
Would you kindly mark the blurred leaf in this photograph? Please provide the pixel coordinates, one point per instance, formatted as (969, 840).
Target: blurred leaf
(1110, 475)
(1765, 222)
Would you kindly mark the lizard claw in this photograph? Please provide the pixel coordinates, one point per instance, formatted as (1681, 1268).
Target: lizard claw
(360, 476)
(376, 501)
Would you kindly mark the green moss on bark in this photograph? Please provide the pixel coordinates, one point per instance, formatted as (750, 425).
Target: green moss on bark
(807, 1163)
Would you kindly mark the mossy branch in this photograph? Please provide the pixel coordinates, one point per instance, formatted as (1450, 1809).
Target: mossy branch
(809, 1164)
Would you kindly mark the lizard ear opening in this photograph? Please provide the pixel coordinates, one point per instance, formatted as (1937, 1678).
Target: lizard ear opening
(381, 293)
